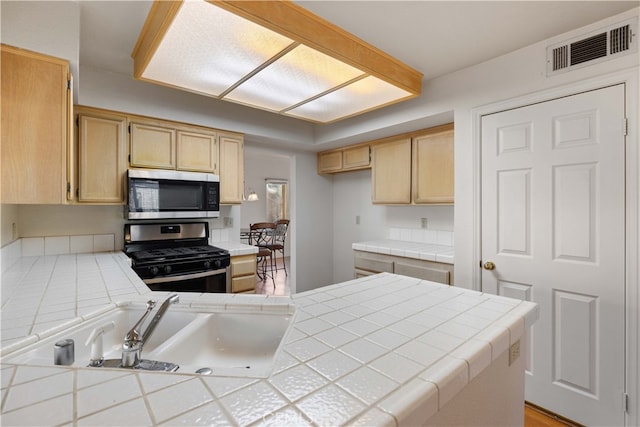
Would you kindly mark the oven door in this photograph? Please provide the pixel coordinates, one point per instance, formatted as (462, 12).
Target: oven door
(212, 281)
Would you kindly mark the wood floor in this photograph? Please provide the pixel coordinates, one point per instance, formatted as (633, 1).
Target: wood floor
(538, 417)
(280, 284)
(533, 416)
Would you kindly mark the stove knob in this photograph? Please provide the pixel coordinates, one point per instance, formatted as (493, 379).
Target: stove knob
(218, 263)
(207, 264)
(154, 270)
(167, 269)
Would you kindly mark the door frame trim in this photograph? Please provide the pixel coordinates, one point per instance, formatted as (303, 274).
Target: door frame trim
(631, 79)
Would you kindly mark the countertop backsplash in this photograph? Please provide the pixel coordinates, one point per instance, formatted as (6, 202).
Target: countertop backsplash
(422, 235)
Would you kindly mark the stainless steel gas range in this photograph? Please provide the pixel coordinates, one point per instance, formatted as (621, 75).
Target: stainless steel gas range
(177, 257)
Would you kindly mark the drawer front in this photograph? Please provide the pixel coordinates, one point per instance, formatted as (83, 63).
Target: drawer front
(243, 284)
(243, 265)
(375, 265)
(424, 273)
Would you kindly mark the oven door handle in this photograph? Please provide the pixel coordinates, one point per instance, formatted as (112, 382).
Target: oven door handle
(168, 279)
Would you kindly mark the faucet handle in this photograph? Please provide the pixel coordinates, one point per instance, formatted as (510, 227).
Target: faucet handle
(134, 333)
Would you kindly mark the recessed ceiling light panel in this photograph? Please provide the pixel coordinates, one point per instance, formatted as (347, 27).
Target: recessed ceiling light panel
(207, 49)
(295, 77)
(360, 96)
(273, 55)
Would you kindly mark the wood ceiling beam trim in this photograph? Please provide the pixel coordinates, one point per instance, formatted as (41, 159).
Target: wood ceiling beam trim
(297, 23)
(158, 21)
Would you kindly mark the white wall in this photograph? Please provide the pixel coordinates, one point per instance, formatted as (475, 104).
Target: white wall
(352, 198)
(260, 164)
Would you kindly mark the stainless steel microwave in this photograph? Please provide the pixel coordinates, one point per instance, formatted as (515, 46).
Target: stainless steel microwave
(157, 194)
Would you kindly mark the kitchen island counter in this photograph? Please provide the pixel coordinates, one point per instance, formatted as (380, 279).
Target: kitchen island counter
(381, 350)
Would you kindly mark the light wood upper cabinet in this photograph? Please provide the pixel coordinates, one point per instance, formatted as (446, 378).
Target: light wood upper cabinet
(152, 145)
(330, 162)
(344, 159)
(102, 156)
(432, 167)
(391, 172)
(197, 151)
(36, 111)
(356, 157)
(231, 168)
(416, 169)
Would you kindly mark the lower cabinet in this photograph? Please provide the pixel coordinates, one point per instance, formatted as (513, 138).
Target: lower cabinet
(368, 263)
(243, 274)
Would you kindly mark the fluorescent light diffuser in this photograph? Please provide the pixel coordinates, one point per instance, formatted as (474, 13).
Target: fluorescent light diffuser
(273, 55)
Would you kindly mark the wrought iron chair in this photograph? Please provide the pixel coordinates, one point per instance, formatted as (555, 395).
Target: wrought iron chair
(279, 237)
(261, 235)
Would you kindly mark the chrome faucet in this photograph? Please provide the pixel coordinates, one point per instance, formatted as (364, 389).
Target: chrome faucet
(134, 340)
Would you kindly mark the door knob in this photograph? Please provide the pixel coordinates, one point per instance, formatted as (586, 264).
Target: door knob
(489, 265)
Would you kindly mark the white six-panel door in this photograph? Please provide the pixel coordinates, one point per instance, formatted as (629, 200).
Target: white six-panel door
(553, 223)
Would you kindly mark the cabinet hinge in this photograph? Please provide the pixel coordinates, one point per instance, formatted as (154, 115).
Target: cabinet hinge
(129, 128)
(625, 126)
(68, 84)
(129, 158)
(68, 187)
(77, 192)
(625, 402)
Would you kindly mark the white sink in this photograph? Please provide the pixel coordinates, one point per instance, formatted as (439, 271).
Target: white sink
(229, 342)
(236, 344)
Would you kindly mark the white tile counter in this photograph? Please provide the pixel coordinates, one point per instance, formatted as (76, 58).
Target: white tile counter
(382, 350)
(417, 250)
(235, 248)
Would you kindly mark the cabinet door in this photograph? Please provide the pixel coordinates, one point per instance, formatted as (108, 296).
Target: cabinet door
(231, 168)
(35, 105)
(391, 172)
(102, 161)
(197, 152)
(329, 162)
(433, 168)
(356, 157)
(243, 273)
(153, 146)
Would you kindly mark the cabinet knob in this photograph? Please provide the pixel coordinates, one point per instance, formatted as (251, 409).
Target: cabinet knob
(489, 265)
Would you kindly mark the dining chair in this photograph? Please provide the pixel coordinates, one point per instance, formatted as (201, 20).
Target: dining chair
(278, 243)
(261, 235)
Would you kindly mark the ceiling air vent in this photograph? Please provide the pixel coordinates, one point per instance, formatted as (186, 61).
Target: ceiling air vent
(592, 48)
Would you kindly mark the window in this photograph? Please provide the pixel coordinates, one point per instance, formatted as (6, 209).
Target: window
(277, 194)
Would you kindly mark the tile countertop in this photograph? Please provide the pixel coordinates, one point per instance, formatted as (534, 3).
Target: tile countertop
(417, 250)
(362, 352)
(235, 248)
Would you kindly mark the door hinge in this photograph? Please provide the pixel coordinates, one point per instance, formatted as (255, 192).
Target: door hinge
(625, 126)
(625, 402)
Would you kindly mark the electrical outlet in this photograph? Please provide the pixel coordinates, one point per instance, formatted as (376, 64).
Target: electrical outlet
(14, 231)
(514, 352)
(228, 222)
(423, 222)
(357, 219)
